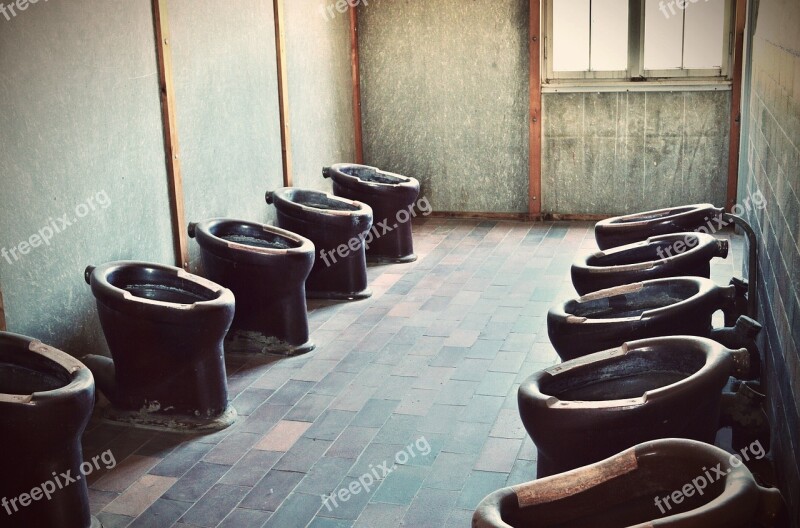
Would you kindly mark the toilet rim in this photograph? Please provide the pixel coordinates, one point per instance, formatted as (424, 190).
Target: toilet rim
(97, 277)
(705, 287)
(81, 377)
(338, 169)
(705, 243)
(660, 215)
(715, 355)
(284, 195)
(202, 231)
(555, 487)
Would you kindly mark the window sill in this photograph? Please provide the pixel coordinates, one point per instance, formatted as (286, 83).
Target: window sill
(698, 85)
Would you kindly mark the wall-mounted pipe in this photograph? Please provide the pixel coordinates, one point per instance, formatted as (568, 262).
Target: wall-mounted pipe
(752, 266)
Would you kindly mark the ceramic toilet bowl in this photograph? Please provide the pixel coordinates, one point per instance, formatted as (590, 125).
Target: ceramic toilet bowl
(266, 269)
(336, 226)
(622, 230)
(628, 490)
(582, 411)
(391, 197)
(675, 255)
(46, 399)
(165, 329)
(607, 318)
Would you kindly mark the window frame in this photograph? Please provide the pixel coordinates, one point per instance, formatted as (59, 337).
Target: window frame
(635, 74)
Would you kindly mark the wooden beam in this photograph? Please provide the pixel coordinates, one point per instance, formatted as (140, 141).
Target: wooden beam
(170, 125)
(356, 70)
(2, 313)
(283, 90)
(736, 104)
(535, 149)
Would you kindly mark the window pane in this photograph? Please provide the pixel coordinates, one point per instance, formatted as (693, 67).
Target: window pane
(663, 35)
(609, 35)
(570, 35)
(705, 23)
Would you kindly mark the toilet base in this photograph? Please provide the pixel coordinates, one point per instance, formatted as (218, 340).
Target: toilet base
(340, 296)
(173, 423)
(378, 259)
(247, 344)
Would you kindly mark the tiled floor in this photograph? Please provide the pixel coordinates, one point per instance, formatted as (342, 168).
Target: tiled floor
(409, 399)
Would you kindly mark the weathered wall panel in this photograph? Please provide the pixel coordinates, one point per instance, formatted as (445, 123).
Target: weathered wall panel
(445, 98)
(618, 153)
(771, 167)
(227, 108)
(79, 120)
(320, 90)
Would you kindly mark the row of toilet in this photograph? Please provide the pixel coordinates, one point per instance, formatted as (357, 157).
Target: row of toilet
(168, 331)
(631, 412)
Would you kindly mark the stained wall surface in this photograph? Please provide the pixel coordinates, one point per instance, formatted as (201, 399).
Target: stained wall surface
(445, 98)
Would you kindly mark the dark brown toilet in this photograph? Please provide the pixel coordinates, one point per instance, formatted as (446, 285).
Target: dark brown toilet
(622, 230)
(584, 410)
(46, 399)
(629, 490)
(607, 318)
(165, 328)
(675, 255)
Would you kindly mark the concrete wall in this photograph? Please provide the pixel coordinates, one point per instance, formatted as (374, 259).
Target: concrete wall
(81, 136)
(445, 98)
(771, 166)
(79, 119)
(227, 108)
(618, 153)
(320, 90)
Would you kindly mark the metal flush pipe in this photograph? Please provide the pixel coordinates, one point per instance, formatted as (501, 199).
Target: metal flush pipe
(752, 267)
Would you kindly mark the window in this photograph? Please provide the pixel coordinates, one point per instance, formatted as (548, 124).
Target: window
(637, 40)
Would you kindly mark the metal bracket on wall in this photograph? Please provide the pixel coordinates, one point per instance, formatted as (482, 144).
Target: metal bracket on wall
(356, 71)
(736, 105)
(535, 122)
(283, 90)
(170, 125)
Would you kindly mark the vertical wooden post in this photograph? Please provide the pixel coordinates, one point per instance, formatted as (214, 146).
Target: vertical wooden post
(2, 313)
(356, 70)
(736, 104)
(283, 90)
(535, 154)
(170, 125)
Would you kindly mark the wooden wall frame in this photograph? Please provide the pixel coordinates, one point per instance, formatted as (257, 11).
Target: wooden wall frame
(2, 313)
(736, 104)
(356, 72)
(535, 118)
(166, 84)
(279, 17)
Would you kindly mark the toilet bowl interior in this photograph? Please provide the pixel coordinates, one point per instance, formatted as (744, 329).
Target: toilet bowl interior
(322, 201)
(642, 253)
(653, 215)
(626, 376)
(254, 236)
(371, 175)
(158, 285)
(627, 500)
(632, 301)
(23, 372)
